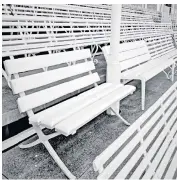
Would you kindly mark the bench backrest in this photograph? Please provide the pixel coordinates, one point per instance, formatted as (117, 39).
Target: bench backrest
(55, 10)
(146, 145)
(42, 87)
(73, 11)
(29, 34)
(159, 45)
(130, 54)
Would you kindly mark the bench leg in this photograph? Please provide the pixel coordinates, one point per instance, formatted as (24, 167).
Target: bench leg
(58, 160)
(44, 140)
(173, 72)
(119, 116)
(143, 84)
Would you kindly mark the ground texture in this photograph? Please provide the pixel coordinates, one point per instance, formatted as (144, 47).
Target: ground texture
(79, 151)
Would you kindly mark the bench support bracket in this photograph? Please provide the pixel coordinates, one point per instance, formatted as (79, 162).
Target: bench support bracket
(119, 116)
(170, 74)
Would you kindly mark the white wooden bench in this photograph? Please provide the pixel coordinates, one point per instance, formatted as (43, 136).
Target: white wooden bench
(148, 148)
(69, 115)
(136, 62)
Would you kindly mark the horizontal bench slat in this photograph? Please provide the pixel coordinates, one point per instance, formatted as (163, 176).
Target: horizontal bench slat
(157, 69)
(27, 102)
(132, 53)
(134, 61)
(40, 79)
(37, 62)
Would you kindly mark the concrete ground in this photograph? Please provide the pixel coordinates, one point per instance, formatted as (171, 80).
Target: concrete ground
(79, 151)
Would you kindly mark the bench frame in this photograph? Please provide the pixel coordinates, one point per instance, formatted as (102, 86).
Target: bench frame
(18, 88)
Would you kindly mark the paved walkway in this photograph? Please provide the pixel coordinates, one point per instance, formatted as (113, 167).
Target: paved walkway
(79, 151)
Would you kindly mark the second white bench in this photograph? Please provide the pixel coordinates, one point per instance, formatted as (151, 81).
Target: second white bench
(136, 63)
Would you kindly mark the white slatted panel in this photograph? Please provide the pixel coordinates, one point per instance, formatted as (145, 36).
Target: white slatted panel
(126, 169)
(37, 62)
(172, 168)
(40, 31)
(160, 45)
(36, 99)
(159, 157)
(166, 128)
(130, 54)
(105, 155)
(41, 79)
(144, 164)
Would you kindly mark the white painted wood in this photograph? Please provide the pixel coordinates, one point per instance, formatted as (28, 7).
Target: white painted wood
(166, 160)
(27, 102)
(131, 54)
(76, 104)
(86, 114)
(43, 78)
(143, 165)
(107, 153)
(172, 168)
(167, 125)
(50, 112)
(151, 170)
(37, 62)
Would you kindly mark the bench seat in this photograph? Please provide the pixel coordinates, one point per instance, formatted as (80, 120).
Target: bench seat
(86, 114)
(79, 110)
(151, 68)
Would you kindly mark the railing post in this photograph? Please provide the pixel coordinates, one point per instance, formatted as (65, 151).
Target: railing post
(113, 66)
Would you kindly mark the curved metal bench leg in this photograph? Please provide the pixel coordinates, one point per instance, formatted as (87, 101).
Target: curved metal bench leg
(44, 140)
(58, 160)
(34, 143)
(118, 115)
